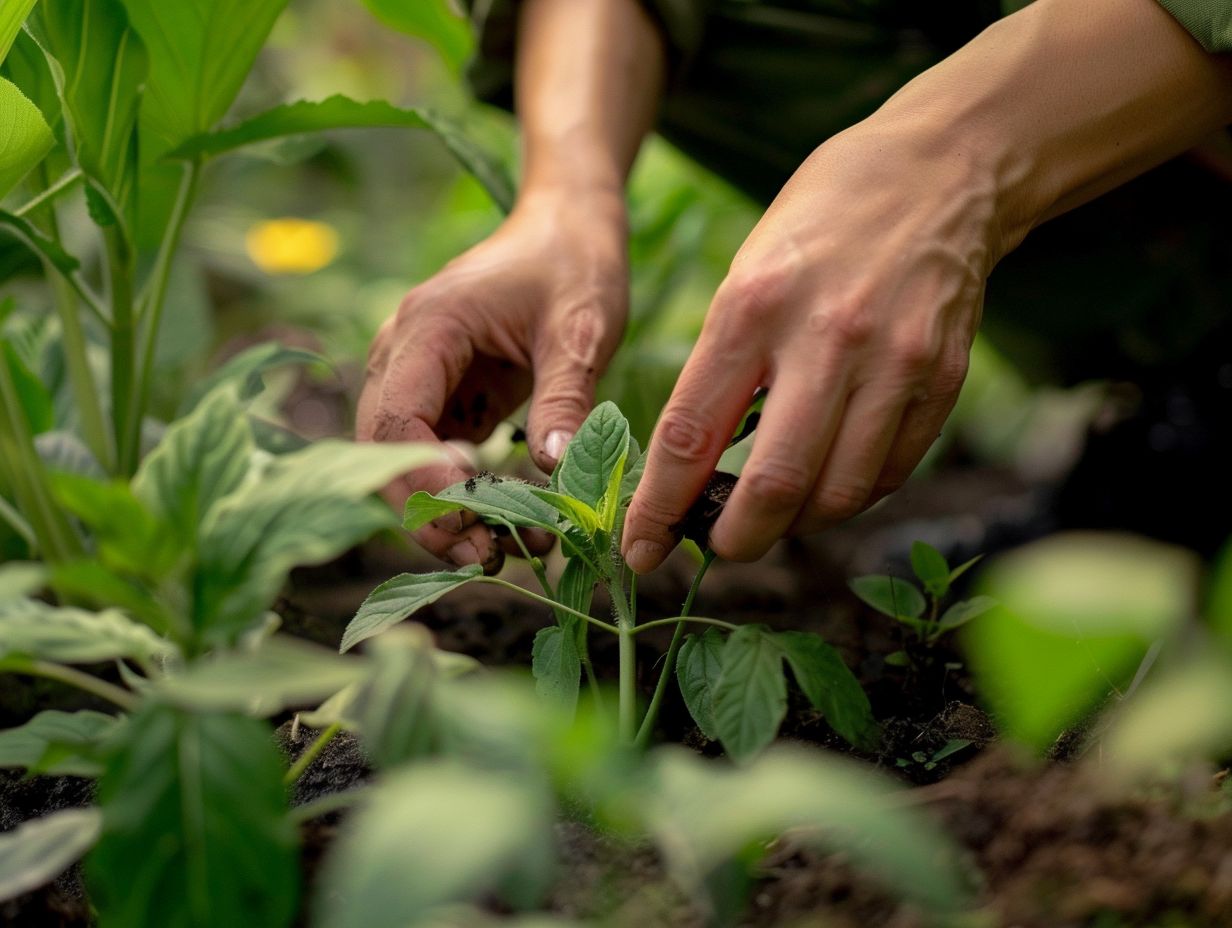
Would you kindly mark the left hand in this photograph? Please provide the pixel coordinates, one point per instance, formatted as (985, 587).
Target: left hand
(855, 300)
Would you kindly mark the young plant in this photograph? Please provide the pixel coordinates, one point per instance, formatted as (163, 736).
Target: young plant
(920, 611)
(733, 678)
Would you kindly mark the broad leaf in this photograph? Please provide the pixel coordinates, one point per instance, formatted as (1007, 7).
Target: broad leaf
(434, 21)
(280, 673)
(27, 67)
(195, 831)
(574, 510)
(575, 589)
(35, 400)
(698, 669)
(58, 743)
(24, 136)
(12, 14)
(831, 687)
(129, 537)
(400, 598)
(91, 583)
(496, 498)
(246, 371)
(28, 234)
(964, 611)
(200, 459)
(434, 834)
(595, 458)
(38, 851)
(557, 666)
(931, 568)
(890, 596)
(750, 698)
(104, 64)
(394, 707)
(29, 628)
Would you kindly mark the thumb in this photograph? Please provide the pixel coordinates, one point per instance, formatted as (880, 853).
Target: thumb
(568, 361)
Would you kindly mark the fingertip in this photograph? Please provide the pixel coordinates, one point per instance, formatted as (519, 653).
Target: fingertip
(643, 555)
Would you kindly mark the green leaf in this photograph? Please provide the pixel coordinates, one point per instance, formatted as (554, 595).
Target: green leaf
(306, 508)
(576, 511)
(24, 136)
(195, 831)
(964, 567)
(750, 698)
(890, 596)
(58, 743)
(557, 666)
(128, 536)
(964, 611)
(91, 583)
(246, 371)
(63, 452)
(19, 579)
(469, 832)
(434, 21)
(38, 851)
(280, 673)
(394, 707)
(29, 235)
(400, 598)
(491, 497)
(200, 52)
(27, 67)
(35, 400)
(1076, 615)
(698, 669)
(1218, 604)
(12, 14)
(34, 629)
(595, 454)
(104, 64)
(931, 568)
(635, 466)
(831, 687)
(200, 459)
(575, 589)
(479, 163)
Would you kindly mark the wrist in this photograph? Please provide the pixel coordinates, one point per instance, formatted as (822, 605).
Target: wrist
(594, 210)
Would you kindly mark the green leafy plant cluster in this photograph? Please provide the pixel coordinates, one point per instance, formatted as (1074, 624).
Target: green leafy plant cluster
(734, 679)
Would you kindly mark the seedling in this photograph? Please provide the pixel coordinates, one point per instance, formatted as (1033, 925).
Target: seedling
(733, 678)
(920, 611)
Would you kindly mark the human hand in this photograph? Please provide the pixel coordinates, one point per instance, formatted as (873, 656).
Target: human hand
(855, 301)
(536, 309)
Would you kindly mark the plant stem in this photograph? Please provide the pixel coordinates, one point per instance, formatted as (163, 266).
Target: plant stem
(123, 346)
(323, 805)
(17, 523)
(83, 681)
(67, 180)
(669, 662)
(153, 299)
(700, 619)
(626, 706)
(497, 581)
(311, 753)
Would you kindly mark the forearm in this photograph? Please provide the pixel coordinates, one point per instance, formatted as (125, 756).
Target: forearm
(589, 76)
(1066, 100)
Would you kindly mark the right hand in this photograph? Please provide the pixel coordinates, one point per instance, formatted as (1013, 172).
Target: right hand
(535, 310)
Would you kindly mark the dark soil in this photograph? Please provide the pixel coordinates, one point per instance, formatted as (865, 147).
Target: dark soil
(1047, 845)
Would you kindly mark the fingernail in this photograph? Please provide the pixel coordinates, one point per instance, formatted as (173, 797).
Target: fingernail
(644, 556)
(556, 443)
(463, 553)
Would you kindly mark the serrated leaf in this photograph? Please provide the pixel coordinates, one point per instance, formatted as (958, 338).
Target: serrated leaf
(750, 698)
(496, 498)
(58, 743)
(960, 613)
(576, 511)
(401, 597)
(557, 666)
(281, 673)
(698, 668)
(473, 830)
(831, 687)
(931, 568)
(24, 136)
(38, 851)
(170, 796)
(201, 459)
(890, 596)
(34, 629)
(599, 448)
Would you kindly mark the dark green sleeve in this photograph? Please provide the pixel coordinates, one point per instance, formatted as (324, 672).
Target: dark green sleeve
(495, 23)
(1209, 21)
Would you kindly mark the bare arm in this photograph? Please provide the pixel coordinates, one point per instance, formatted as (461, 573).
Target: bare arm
(857, 296)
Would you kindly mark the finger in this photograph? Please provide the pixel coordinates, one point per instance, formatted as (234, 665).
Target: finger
(490, 391)
(568, 360)
(797, 425)
(537, 541)
(712, 394)
(865, 435)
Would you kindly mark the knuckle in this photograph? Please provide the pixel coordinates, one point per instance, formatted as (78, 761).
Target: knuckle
(913, 356)
(579, 331)
(777, 484)
(749, 292)
(839, 501)
(951, 372)
(683, 435)
(848, 323)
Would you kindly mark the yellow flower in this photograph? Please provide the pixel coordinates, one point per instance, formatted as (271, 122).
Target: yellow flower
(291, 246)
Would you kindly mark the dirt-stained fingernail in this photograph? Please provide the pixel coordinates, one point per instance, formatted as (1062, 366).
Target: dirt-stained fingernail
(463, 553)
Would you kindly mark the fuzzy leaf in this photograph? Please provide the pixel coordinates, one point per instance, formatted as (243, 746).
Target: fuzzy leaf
(556, 666)
(58, 743)
(170, 797)
(698, 669)
(750, 698)
(399, 598)
(576, 511)
(38, 851)
(931, 568)
(394, 707)
(597, 452)
(890, 596)
(831, 687)
(29, 628)
(504, 500)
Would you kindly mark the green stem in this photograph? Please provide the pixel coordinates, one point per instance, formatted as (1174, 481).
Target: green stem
(82, 681)
(497, 581)
(669, 662)
(701, 620)
(123, 346)
(154, 298)
(17, 523)
(626, 706)
(68, 180)
(311, 753)
(328, 803)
